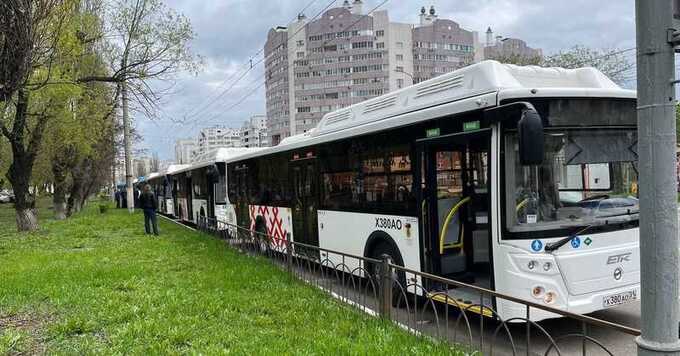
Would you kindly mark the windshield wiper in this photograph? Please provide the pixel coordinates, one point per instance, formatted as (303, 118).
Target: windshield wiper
(628, 212)
(550, 247)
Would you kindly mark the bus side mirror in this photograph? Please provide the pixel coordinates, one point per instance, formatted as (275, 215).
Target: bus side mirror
(531, 140)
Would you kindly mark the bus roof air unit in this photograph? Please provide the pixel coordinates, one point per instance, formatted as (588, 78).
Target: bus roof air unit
(485, 77)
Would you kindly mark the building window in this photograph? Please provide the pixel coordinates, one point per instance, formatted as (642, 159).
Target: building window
(400, 83)
(380, 33)
(380, 45)
(400, 69)
(300, 55)
(356, 45)
(300, 43)
(400, 57)
(304, 109)
(400, 45)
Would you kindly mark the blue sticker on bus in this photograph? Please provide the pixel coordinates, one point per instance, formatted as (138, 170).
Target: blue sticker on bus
(575, 242)
(536, 245)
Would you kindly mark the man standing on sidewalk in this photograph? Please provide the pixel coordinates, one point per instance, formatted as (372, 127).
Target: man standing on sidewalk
(147, 201)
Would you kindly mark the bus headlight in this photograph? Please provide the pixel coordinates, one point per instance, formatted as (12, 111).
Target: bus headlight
(550, 297)
(532, 264)
(547, 266)
(537, 292)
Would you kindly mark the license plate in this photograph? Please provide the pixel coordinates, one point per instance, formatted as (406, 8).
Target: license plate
(619, 298)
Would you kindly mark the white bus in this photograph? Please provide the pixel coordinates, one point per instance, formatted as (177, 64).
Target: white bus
(522, 180)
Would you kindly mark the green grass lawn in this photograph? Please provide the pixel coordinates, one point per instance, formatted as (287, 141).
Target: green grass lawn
(96, 284)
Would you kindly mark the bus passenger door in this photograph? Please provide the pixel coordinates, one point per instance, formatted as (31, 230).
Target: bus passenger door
(305, 183)
(190, 198)
(242, 208)
(455, 205)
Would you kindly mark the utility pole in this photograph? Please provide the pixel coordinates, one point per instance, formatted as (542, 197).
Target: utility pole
(128, 148)
(659, 261)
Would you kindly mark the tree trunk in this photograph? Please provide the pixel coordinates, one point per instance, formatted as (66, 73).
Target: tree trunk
(27, 219)
(62, 162)
(21, 169)
(75, 196)
(59, 197)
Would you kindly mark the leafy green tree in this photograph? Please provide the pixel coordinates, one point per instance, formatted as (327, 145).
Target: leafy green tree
(54, 54)
(38, 100)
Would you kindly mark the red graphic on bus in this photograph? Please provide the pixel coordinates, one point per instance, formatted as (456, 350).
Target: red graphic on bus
(273, 222)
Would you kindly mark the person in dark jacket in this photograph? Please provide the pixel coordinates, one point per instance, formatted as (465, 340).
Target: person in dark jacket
(148, 202)
(118, 199)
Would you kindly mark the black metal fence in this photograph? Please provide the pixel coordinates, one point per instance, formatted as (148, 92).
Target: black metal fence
(419, 302)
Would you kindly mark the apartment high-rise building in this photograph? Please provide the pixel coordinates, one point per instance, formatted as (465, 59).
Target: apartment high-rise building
(254, 132)
(184, 151)
(277, 83)
(441, 46)
(142, 166)
(504, 48)
(345, 56)
(339, 59)
(212, 138)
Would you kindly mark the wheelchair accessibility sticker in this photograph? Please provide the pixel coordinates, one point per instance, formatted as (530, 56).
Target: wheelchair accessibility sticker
(576, 242)
(536, 245)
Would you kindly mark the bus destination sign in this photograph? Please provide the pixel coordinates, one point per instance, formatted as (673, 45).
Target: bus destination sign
(471, 125)
(432, 132)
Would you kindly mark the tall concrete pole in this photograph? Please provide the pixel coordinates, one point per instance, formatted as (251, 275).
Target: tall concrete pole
(658, 195)
(128, 149)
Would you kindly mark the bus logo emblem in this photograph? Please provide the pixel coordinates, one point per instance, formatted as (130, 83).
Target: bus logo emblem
(536, 245)
(624, 257)
(618, 273)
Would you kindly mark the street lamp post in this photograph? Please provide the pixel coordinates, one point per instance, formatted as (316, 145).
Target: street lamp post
(658, 199)
(407, 73)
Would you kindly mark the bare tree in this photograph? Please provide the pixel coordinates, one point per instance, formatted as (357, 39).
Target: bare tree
(155, 163)
(150, 42)
(518, 59)
(611, 62)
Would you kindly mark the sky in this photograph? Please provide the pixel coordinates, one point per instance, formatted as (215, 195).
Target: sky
(229, 33)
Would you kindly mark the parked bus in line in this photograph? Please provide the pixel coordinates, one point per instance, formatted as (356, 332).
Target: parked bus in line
(522, 180)
(196, 190)
(162, 185)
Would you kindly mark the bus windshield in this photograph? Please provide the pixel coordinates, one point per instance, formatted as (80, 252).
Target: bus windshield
(588, 177)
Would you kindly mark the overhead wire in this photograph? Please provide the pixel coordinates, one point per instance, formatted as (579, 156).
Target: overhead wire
(247, 66)
(328, 5)
(323, 44)
(250, 67)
